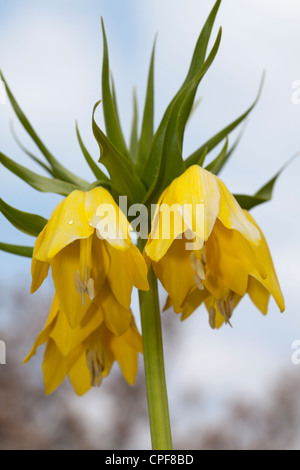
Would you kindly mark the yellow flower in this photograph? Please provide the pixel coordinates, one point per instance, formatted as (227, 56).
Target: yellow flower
(228, 257)
(87, 352)
(87, 243)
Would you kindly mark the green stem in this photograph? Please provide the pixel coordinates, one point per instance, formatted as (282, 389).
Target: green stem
(154, 366)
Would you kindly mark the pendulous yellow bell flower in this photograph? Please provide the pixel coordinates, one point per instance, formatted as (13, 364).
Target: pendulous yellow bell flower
(87, 352)
(215, 252)
(87, 243)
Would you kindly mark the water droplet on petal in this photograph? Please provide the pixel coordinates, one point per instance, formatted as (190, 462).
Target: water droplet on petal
(71, 222)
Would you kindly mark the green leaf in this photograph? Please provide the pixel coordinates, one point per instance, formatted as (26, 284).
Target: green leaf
(216, 165)
(41, 183)
(92, 164)
(202, 157)
(148, 117)
(171, 131)
(264, 194)
(216, 139)
(183, 100)
(59, 171)
(17, 249)
(199, 54)
(111, 118)
(124, 180)
(100, 183)
(31, 224)
(33, 157)
(134, 145)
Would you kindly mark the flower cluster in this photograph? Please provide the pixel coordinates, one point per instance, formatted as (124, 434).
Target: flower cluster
(90, 324)
(210, 251)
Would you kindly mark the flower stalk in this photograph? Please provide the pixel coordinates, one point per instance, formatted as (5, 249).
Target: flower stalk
(158, 407)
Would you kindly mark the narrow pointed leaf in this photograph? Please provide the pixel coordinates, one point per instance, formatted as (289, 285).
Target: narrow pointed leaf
(171, 163)
(59, 170)
(151, 168)
(31, 224)
(92, 164)
(112, 122)
(148, 117)
(33, 157)
(264, 194)
(202, 158)
(134, 145)
(17, 249)
(124, 180)
(41, 183)
(100, 183)
(216, 139)
(199, 55)
(216, 165)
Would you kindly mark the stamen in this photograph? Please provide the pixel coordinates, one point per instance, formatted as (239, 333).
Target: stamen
(200, 269)
(90, 288)
(198, 282)
(226, 306)
(96, 367)
(84, 284)
(199, 266)
(212, 317)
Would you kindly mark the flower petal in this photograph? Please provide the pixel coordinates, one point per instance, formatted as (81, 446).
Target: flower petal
(127, 269)
(116, 317)
(64, 265)
(269, 281)
(105, 215)
(67, 223)
(43, 336)
(259, 295)
(56, 367)
(67, 339)
(175, 272)
(192, 302)
(80, 376)
(233, 217)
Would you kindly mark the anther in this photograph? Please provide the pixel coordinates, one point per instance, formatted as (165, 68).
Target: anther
(95, 365)
(212, 317)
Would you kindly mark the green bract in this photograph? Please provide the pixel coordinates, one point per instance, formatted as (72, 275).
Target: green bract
(151, 161)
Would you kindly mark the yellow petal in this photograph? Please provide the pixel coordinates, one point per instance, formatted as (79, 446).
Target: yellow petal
(133, 337)
(269, 281)
(43, 336)
(56, 367)
(116, 317)
(192, 302)
(39, 269)
(39, 272)
(175, 272)
(67, 339)
(259, 295)
(127, 269)
(80, 376)
(196, 187)
(104, 215)
(166, 227)
(233, 216)
(127, 358)
(67, 223)
(100, 263)
(193, 200)
(230, 260)
(64, 265)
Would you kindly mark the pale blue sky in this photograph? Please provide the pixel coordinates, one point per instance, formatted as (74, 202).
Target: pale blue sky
(50, 54)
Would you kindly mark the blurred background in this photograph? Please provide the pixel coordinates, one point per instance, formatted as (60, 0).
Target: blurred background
(228, 389)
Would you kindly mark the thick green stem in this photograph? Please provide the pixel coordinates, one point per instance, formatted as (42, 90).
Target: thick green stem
(154, 367)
